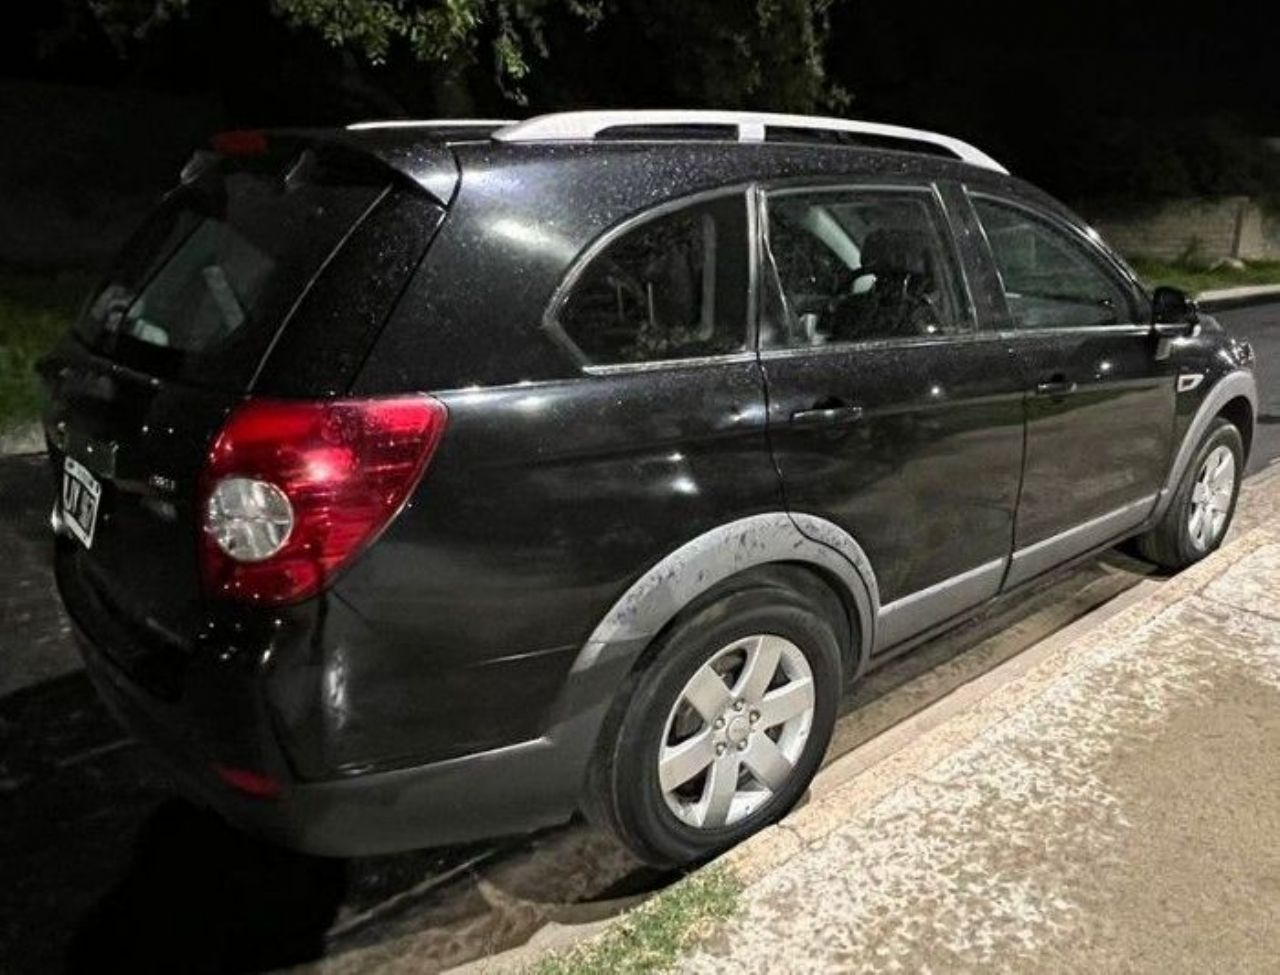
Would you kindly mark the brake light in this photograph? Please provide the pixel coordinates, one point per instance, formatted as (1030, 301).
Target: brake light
(240, 142)
(293, 490)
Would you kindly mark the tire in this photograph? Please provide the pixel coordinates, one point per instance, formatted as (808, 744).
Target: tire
(788, 615)
(1175, 543)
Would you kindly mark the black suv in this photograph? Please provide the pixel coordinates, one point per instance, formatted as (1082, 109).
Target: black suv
(419, 482)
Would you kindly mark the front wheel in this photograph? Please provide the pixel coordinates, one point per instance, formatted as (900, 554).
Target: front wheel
(1202, 508)
(723, 730)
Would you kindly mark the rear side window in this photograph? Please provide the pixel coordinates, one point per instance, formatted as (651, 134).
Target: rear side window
(1050, 281)
(863, 265)
(203, 287)
(674, 287)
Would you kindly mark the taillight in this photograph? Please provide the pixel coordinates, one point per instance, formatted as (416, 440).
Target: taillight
(259, 785)
(293, 490)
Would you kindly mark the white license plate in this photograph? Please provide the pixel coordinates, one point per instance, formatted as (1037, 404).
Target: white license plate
(80, 494)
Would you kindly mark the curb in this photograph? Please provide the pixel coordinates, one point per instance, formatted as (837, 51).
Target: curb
(1226, 299)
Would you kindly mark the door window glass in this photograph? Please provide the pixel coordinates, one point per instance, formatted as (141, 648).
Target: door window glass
(1049, 280)
(674, 287)
(862, 265)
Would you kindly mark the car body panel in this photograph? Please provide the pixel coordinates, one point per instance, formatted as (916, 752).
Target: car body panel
(452, 683)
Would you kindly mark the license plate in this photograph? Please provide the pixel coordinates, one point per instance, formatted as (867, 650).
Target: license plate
(80, 494)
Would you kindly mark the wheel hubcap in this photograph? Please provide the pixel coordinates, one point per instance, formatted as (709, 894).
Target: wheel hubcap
(1211, 497)
(736, 731)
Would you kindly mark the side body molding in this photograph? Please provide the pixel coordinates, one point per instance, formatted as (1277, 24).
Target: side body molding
(670, 585)
(1235, 384)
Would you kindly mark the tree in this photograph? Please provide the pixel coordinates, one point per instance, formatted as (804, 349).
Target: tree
(724, 53)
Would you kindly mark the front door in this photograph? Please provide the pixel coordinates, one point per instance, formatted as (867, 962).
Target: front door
(1099, 394)
(890, 413)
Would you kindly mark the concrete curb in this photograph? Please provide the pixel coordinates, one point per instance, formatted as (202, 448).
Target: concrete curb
(1224, 299)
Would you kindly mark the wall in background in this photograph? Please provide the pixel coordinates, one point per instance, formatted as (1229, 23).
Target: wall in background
(1196, 231)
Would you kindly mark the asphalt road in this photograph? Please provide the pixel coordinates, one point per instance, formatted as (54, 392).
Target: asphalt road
(1260, 324)
(100, 862)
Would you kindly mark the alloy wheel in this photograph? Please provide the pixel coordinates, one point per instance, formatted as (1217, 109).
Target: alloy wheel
(1211, 497)
(736, 731)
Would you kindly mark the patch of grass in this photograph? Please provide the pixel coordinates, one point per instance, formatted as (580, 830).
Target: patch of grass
(652, 937)
(1194, 280)
(35, 309)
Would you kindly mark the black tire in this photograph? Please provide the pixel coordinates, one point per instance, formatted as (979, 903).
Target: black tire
(1170, 544)
(624, 790)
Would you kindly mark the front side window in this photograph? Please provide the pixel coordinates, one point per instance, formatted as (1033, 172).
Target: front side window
(862, 265)
(674, 287)
(1049, 280)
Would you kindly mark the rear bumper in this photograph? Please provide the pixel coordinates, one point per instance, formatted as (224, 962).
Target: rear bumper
(205, 706)
(503, 791)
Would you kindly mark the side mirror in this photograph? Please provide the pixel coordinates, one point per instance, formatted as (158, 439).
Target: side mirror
(1173, 313)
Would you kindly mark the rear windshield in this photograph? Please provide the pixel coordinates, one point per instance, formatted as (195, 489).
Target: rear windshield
(202, 288)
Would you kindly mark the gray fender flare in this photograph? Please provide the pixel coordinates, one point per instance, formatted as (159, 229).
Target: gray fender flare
(1235, 384)
(670, 585)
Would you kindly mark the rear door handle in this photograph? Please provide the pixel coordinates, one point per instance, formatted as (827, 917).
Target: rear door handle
(830, 416)
(1055, 386)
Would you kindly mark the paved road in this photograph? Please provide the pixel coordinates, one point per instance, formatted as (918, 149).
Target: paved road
(99, 861)
(1261, 326)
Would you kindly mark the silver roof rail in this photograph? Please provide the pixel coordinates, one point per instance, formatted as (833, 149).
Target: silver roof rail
(433, 123)
(751, 126)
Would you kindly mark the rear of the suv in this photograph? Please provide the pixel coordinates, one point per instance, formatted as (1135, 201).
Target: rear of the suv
(424, 484)
(205, 377)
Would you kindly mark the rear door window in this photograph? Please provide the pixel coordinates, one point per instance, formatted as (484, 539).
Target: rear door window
(203, 287)
(858, 265)
(673, 287)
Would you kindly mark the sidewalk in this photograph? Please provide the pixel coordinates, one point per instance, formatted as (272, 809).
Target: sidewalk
(1114, 807)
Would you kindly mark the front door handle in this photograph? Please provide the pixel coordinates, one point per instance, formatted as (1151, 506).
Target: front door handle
(829, 416)
(1057, 385)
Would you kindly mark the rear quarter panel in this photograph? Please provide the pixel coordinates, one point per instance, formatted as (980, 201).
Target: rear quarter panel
(544, 502)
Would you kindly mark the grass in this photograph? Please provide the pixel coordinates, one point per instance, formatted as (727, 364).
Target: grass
(35, 309)
(652, 937)
(1194, 280)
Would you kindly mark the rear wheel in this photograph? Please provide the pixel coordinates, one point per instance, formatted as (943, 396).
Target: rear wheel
(722, 731)
(1201, 510)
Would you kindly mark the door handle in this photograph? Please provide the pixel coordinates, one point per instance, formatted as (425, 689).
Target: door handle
(1055, 386)
(830, 416)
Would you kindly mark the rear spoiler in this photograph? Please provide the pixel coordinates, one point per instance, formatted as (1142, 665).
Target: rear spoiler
(430, 165)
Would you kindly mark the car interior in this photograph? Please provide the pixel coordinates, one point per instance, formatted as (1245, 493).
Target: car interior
(867, 268)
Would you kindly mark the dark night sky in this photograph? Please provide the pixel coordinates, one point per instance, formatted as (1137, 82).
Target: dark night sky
(1024, 79)
(904, 57)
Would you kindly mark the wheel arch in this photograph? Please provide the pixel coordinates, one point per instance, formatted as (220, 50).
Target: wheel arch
(718, 556)
(1239, 411)
(1236, 392)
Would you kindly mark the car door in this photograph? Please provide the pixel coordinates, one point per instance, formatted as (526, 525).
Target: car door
(890, 413)
(1099, 392)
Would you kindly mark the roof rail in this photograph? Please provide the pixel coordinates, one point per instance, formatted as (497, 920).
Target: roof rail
(433, 123)
(751, 126)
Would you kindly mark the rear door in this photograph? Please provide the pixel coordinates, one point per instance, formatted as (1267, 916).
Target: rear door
(892, 414)
(1099, 392)
(175, 335)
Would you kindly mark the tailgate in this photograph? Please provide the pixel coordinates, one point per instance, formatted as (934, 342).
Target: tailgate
(247, 252)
